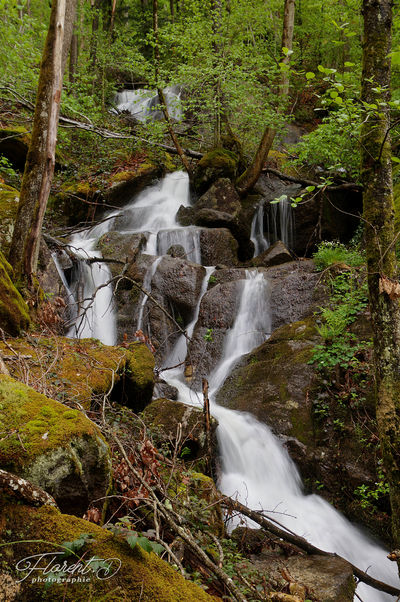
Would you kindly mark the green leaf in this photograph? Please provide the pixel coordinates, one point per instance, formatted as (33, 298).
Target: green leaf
(145, 544)
(321, 68)
(310, 188)
(348, 64)
(310, 75)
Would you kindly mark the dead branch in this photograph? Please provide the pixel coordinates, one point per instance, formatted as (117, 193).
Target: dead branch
(103, 132)
(303, 544)
(25, 490)
(185, 534)
(303, 182)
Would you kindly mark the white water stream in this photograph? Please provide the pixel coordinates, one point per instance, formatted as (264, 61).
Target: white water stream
(280, 226)
(255, 465)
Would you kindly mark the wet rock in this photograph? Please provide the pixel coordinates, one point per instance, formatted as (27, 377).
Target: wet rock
(164, 390)
(217, 313)
(220, 207)
(177, 251)
(276, 378)
(221, 196)
(276, 254)
(218, 246)
(57, 448)
(127, 184)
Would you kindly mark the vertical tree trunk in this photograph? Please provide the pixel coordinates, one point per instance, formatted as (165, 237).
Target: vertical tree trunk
(376, 173)
(160, 92)
(249, 178)
(73, 56)
(114, 4)
(287, 41)
(216, 13)
(40, 161)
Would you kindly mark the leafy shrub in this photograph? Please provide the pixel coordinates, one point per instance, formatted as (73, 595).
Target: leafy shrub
(329, 253)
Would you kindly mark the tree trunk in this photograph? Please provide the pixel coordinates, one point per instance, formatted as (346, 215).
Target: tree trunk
(39, 166)
(179, 149)
(384, 290)
(73, 56)
(249, 178)
(287, 41)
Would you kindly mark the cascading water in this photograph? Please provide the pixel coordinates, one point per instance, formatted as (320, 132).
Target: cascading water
(145, 104)
(280, 225)
(147, 287)
(92, 291)
(255, 466)
(261, 244)
(281, 222)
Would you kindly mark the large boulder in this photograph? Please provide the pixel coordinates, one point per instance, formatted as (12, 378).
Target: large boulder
(53, 446)
(218, 246)
(132, 574)
(125, 185)
(217, 314)
(83, 371)
(217, 163)
(276, 377)
(294, 295)
(14, 313)
(276, 254)
(220, 207)
(14, 143)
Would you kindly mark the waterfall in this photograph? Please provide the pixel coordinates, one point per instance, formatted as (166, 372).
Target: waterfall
(93, 310)
(261, 244)
(280, 222)
(255, 466)
(145, 104)
(147, 287)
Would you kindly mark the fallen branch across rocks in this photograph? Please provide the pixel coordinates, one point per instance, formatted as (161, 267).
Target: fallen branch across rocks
(304, 545)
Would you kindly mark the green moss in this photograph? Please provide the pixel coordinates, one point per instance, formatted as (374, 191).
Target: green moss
(141, 576)
(14, 313)
(82, 369)
(39, 424)
(220, 158)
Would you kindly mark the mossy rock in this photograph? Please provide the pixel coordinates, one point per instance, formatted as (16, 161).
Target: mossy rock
(217, 163)
(53, 446)
(83, 371)
(14, 312)
(165, 416)
(126, 184)
(134, 574)
(276, 378)
(76, 202)
(9, 198)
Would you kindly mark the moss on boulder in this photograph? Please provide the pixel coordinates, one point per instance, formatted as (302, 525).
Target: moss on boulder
(217, 163)
(82, 370)
(53, 446)
(14, 312)
(9, 198)
(134, 574)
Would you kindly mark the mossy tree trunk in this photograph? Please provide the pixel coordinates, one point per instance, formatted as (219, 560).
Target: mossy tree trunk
(383, 286)
(39, 166)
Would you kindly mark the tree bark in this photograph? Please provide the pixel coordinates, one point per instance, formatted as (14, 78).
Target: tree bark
(39, 166)
(287, 41)
(384, 290)
(179, 149)
(249, 178)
